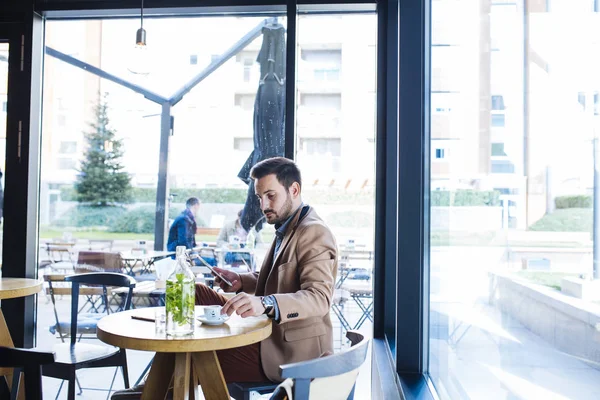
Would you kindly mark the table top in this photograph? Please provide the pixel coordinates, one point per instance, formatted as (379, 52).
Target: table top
(121, 330)
(11, 288)
(129, 255)
(234, 250)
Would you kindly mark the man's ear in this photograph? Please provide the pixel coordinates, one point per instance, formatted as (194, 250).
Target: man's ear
(295, 189)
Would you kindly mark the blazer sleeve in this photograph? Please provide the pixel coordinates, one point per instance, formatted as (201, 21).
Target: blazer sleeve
(249, 282)
(316, 254)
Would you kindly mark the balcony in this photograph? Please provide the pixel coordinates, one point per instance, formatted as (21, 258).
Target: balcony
(312, 123)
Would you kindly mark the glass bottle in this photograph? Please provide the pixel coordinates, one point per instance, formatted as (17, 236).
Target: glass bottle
(251, 239)
(180, 297)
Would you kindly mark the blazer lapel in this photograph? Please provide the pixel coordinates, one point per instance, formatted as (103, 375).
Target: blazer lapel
(286, 240)
(265, 271)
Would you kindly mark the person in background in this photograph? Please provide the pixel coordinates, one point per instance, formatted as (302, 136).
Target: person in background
(183, 229)
(235, 228)
(230, 229)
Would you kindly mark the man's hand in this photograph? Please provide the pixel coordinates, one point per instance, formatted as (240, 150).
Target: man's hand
(233, 277)
(244, 305)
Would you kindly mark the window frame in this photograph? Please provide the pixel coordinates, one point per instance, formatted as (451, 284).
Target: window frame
(402, 147)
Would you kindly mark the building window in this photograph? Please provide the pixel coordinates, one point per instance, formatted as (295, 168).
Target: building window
(498, 120)
(498, 150)
(439, 154)
(325, 63)
(581, 99)
(68, 147)
(248, 61)
(66, 163)
(325, 101)
(4, 106)
(321, 146)
(193, 59)
(498, 103)
(243, 144)
(503, 167)
(244, 101)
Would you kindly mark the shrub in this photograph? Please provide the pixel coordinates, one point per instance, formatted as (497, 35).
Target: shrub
(85, 216)
(465, 198)
(581, 201)
(148, 195)
(141, 220)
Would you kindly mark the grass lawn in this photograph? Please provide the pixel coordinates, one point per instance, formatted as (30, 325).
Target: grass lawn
(566, 220)
(545, 278)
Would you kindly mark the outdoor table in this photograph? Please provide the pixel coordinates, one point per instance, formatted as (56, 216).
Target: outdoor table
(12, 288)
(146, 260)
(188, 361)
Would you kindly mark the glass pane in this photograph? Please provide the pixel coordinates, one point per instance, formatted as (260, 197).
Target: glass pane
(514, 292)
(102, 142)
(335, 149)
(3, 113)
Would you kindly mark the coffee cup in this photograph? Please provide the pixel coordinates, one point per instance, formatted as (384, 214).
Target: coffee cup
(212, 313)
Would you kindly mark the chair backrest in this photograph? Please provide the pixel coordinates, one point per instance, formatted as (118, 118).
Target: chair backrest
(316, 378)
(56, 287)
(98, 261)
(97, 278)
(101, 244)
(30, 361)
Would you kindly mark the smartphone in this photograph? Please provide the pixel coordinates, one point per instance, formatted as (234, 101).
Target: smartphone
(212, 270)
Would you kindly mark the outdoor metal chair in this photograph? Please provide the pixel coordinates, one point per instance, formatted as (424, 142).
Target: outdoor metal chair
(75, 355)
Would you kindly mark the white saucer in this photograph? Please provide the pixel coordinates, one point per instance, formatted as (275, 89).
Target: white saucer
(212, 322)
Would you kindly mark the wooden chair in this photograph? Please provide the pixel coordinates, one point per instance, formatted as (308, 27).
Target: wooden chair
(345, 364)
(101, 244)
(74, 355)
(30, 361)
(98, 261)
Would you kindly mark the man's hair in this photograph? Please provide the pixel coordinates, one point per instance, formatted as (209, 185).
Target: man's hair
(285, 170)
(192, 201)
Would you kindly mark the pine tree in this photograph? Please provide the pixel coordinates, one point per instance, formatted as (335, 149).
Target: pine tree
(102, 181)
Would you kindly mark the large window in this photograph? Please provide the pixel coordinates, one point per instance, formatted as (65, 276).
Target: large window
(514, 294)
(335, 134)
(96, 129)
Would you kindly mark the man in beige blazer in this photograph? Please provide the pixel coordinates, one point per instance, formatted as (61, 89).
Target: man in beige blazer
(294, 286)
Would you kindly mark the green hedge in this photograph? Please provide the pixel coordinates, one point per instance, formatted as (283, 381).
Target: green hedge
(87, 216)
(148, 195)
(464, 198)
(116, 219)
(582, 201)
(329, 196)
(138, 220)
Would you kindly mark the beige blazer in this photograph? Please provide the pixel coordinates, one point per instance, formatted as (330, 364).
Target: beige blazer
(302, 280)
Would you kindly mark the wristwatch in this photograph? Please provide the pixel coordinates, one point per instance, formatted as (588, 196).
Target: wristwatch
(268, 303)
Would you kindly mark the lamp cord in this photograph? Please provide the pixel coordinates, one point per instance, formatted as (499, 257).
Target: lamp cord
(142, 15)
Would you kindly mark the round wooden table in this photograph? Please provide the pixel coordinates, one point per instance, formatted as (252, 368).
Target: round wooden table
(188, 361)
(12, 288)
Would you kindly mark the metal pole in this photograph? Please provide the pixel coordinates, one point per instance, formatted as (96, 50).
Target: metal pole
(162, 189)
(596, 200)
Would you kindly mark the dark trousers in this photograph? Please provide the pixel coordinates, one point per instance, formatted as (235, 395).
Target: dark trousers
(240, 364)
